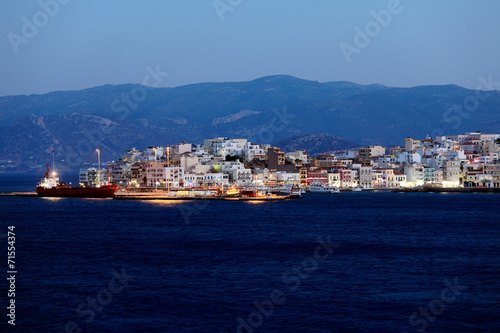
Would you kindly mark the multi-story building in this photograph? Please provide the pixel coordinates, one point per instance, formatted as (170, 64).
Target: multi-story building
(365, 177)
(429, 175)
(317, 176)
(288, 177)
(384, 177)
(399, 179)
(253, 151)
(237, 172)
(227, 147)
(485, 180)
(414, 174)
(495, 175)
(368, 152)
(275, 158)
(303, 176)
(92, 177)
(165, 177)
(182, 148)
(451, 173)
(299, 157)
(216, 179)
(334, 179)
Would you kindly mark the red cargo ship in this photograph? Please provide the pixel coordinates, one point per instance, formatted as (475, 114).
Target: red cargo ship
(49, 186)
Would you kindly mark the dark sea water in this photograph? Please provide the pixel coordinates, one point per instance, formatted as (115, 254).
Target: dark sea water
(100, 265)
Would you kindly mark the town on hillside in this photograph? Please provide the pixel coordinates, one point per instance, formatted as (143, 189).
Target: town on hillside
(451, 161)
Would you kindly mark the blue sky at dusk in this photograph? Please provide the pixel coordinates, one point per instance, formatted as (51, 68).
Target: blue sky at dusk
(82, 44)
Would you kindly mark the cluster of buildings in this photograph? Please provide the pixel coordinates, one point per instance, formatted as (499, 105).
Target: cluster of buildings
(471, 159)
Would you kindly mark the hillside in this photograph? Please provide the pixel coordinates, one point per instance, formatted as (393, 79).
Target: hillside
(265, 110)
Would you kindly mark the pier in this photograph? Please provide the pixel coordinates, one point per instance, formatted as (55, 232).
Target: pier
(166, 196)
(451, 189)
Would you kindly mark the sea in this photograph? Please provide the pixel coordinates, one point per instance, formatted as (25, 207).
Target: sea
(347, 262)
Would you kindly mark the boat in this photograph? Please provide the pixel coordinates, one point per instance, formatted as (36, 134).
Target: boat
(285, 188)
(49, 186)
(356, 189)
(322, 188)
(295, 192)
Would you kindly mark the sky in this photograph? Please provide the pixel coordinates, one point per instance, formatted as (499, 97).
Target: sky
(51, 45)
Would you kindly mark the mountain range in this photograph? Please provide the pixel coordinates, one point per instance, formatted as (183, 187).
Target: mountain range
(266, 110)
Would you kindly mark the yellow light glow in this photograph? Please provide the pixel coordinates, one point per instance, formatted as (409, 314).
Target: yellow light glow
(53, 174)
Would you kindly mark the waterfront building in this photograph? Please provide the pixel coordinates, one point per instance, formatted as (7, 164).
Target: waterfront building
(495, 173)
(365, 176)
(485, 180)
(399, 179)
(92, 177)
(414, 174)
(237, 172)
(288, 177)
(317, 176)
(215, 179)
(429, 175)
(451, 173)
(158, 176)
(334, 179)
(384, 177)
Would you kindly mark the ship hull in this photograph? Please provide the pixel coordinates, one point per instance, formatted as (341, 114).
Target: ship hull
(107, 191)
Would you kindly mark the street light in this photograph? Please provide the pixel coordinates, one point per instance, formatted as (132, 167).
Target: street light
(156, 181)
(98, 165)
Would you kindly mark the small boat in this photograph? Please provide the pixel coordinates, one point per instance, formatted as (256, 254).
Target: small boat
(322, 188)
(356, 189)
(295, 192)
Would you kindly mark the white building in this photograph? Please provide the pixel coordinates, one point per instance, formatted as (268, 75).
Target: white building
(165, 177)
(300, 155)
(182, 148)
(92, 177)
(237, 172)
(227, 147)
(365, 176)
(288, 177)
(414, 174)
(451, 173)
(254, 151)
(216, 179)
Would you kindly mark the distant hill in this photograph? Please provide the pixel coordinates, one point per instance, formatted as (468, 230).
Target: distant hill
(315, 144)
(265, 110)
